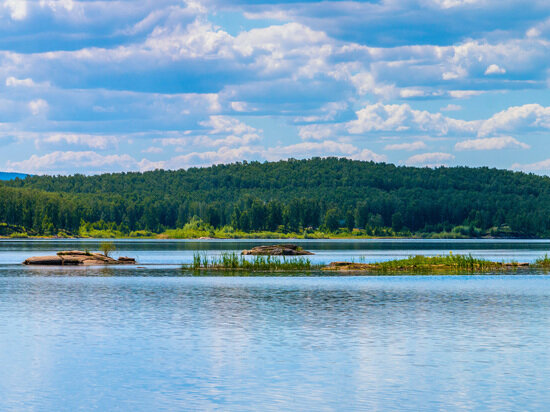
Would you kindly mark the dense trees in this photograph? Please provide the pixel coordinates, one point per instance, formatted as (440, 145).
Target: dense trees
(288, 195)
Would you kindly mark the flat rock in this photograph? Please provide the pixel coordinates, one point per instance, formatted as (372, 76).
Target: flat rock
(78, 258)
(276, 250)
(44, 260)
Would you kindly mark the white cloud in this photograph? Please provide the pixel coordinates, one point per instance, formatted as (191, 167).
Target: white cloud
(88, 161)
(92, 141)
(152, 149)
(227, 125)
(268, 15)
(368, 155)
(13, 82)
(542, 166)
(451, 108)
(447, 4)
(464, 94)
(38, 107)
(404, 119)
(175, 141)
(401, 118)
(240, 106)
(17, 8)
(222, 155)
(316, 132)
(419, 145)
(429, 159)
(56, 5)
(491, 143)
(366, 82)
(533, 32)
(326, 148)
(529, 117)
(494, 69)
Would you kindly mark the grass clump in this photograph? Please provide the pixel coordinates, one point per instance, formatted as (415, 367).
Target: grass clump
(543, 262)
(233, 261)
(459, 262)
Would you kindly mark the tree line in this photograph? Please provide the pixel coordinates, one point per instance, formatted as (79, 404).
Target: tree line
(285, 196)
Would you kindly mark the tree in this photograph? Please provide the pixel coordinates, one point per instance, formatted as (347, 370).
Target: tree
(107, 248)
(350, 220)
(332, 220)
(397, 221)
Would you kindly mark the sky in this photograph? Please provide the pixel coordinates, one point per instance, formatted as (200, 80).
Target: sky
(134, 85)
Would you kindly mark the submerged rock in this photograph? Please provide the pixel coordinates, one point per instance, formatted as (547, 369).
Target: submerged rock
(78, 258)
(277, 250)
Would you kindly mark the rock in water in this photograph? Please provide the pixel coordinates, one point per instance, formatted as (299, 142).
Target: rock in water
(77, 258)
(276, 250)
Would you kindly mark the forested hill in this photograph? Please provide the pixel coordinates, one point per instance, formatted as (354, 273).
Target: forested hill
(286, 196)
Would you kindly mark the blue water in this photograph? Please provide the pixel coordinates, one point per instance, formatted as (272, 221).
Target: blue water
(157, 339)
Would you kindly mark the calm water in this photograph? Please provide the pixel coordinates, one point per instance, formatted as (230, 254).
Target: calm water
(157, 339)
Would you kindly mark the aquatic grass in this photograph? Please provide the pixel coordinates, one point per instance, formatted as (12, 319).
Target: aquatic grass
(450, 261)
(543, 261)
(234, 261)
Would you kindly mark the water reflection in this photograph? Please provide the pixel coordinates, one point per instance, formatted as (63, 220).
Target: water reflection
(345, 343)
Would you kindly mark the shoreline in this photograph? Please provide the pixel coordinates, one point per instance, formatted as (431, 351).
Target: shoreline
(161, 237)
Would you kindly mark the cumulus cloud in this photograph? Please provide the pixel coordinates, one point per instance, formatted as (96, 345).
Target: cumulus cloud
(542, 166)
(17, 8)
(88, 161)
(451, 107)
(92, 141)
(38, 107)
(401, 118)
(494, 69)
(429, 159)
(227, 125)
(334, 76)
(316, 132)
(222, 155)
(491, 143)
(152, 149)
(419, 145)
(517, 118)
(13, 82)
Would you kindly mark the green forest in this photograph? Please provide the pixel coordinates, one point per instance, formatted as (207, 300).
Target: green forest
(318, 197)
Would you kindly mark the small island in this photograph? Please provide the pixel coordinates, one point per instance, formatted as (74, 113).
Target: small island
(78, 258)
(422, 264)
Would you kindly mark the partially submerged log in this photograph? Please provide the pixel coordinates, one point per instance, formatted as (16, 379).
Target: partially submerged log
(78, 258)
(276, 250)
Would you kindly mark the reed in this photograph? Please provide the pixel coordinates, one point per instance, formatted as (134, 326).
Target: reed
(233, 261)
(454, 262)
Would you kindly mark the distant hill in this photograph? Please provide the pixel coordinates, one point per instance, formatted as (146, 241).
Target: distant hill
(295, 195)
(11, 176)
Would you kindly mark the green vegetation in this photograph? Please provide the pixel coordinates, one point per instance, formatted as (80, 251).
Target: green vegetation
(107, 247)
(453, 262)
(543, 262)
(316, 198)
(233, 261)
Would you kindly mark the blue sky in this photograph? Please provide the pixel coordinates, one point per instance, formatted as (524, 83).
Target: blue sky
(105, 86)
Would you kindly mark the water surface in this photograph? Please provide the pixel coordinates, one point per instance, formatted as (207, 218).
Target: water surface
(159, 339)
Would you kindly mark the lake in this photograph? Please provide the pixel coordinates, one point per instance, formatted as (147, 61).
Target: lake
(154, 337)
